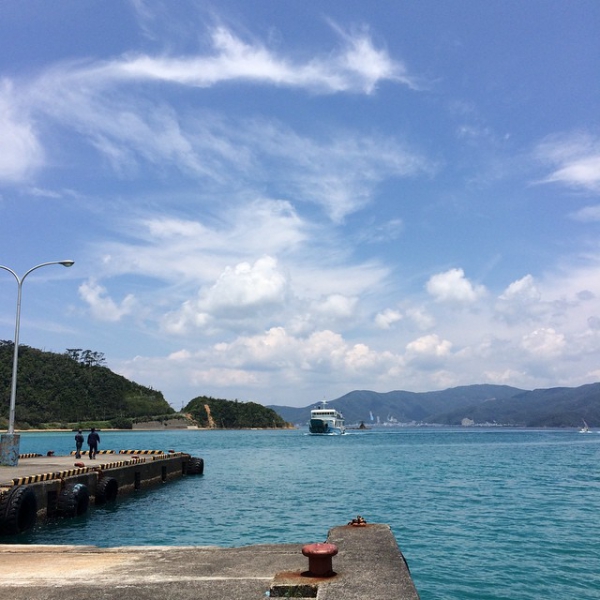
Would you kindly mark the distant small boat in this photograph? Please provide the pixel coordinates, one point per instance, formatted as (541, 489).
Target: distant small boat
(326, 421)
(585, 428)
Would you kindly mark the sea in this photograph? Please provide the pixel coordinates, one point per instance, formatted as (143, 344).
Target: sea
(479, 513)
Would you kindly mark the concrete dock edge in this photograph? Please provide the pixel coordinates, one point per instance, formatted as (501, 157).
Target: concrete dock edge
(369, 565)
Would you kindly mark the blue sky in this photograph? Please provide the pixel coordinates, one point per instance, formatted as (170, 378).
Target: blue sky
(284, 201)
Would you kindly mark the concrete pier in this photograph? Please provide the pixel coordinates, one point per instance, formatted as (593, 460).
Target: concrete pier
(368, 566)
(42, 487)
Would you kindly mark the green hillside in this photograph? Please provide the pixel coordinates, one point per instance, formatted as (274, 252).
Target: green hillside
(231, 414)
(72, 387)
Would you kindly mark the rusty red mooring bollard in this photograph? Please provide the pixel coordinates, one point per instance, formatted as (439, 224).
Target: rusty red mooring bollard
(320, 558)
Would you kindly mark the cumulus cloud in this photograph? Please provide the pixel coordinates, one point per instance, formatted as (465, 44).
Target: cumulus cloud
(523, 291)
(247, 286)
(520, 300)
(453, 287)
(429, 346)
(322, 351)
(575, 159)
(544, 342)
(102, 306)
(240, 292)
(427, 353)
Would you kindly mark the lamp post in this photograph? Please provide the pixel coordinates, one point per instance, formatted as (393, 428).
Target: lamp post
(9, 444)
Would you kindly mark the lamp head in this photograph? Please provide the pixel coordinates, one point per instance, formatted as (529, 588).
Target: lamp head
(67, 263)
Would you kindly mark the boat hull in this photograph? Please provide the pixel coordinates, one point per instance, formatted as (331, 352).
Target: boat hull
(324, 427)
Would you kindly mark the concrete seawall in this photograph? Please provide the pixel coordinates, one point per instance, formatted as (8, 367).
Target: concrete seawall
(368, 566)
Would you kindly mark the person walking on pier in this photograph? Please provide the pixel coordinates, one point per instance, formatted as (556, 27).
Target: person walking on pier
(78, 443)
(93, 441)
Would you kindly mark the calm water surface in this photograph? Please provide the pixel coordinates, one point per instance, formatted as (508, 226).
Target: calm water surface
(479, 514)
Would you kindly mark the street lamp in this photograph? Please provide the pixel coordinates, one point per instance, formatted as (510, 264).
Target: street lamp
(9, 445)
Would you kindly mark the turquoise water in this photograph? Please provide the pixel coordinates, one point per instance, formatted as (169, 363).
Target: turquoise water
(479, 514)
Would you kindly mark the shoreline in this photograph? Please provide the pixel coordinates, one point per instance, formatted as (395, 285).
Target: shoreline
(54, 430)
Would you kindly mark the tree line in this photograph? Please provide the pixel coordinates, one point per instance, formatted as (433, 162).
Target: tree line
(72, 387)
(231, 414)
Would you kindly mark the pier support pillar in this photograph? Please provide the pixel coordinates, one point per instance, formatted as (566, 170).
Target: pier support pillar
(9, 449)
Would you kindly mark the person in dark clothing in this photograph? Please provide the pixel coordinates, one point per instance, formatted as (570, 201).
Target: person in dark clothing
(78, 443)
(93, 441)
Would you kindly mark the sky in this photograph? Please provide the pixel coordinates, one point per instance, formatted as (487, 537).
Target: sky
(281, 202)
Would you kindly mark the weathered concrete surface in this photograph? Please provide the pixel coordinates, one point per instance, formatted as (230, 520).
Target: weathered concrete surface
(47, 464)
(369, 565)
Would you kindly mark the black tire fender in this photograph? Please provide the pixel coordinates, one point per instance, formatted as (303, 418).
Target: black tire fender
(107, 490)
(73, 500)
(195, 466)
(18, 510)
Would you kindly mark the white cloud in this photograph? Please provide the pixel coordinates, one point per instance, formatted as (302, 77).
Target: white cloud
(575, 158)
(357, 67)
(128, 126)
(544, 343)
(103, 307)
(241, 292)
(20, 150)
(273, 359)
(521, 300)
(385, 319)
(335, 306)
(195, 251)
(321, 352)
(453, 287)
(246, 286)
(339, 172)
(429, 345)
(427, 353)
(523, 291)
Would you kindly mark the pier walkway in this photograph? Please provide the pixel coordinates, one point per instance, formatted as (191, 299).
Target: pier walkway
(368, 566)
(33, 468)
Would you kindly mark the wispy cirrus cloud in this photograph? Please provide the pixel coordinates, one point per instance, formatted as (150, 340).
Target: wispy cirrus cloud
(20, 149)
(357, 67)
(575, 159)
(126, 124)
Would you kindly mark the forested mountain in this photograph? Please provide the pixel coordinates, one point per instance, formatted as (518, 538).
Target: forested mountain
(71, 388)
(553, 407)
(503, 405)
(231, 414)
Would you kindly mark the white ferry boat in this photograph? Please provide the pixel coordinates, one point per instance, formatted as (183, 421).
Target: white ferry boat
(326, 421)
